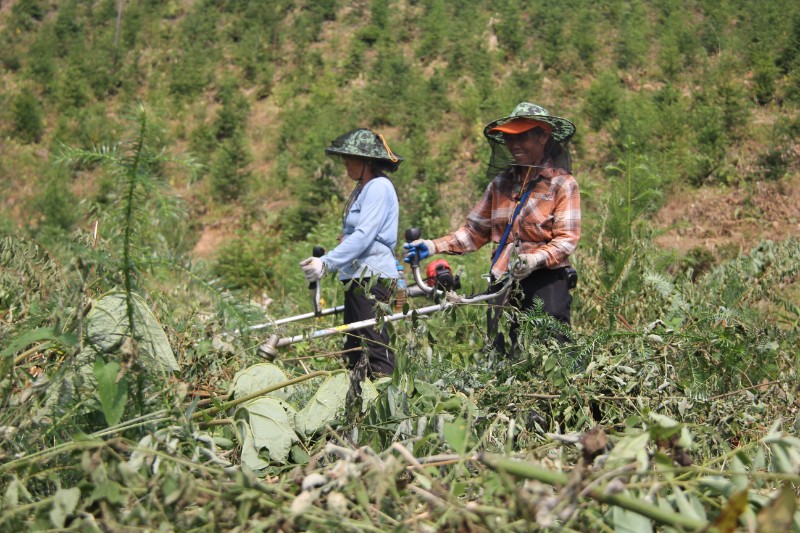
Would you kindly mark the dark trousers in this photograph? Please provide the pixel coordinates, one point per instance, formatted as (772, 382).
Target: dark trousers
(357, 307)
(549, 286)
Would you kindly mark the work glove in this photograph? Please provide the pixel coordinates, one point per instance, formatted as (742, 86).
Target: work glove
(313, 269)
(520, 267)
(421, 248)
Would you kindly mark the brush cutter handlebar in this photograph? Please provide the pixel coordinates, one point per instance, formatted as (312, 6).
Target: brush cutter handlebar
(269, 349)
(411, 235)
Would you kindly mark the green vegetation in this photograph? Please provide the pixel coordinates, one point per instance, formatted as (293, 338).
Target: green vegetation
(131, 392)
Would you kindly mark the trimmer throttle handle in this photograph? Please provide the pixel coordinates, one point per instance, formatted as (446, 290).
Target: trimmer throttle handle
(412, 234)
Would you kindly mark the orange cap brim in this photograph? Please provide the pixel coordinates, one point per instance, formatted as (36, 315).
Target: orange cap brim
(521, 125)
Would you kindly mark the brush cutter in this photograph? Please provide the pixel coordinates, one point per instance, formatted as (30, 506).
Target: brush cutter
(445, 300)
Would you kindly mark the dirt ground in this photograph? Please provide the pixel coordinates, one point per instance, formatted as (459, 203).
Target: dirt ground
(724, 220)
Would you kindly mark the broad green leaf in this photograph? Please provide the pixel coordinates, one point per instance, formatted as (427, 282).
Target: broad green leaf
(456, 433)
(29, 337)
(112, 393)
(109, 491)
(739, 477)
(688, 506)
(718, 484)
(299, 455)
(258, 377)
(663, 420)
(107, 326)
(325, 405)
(271, 424)
(629, 522)
(15, 491)
(64, 504)
(368, 394)
(631, 448)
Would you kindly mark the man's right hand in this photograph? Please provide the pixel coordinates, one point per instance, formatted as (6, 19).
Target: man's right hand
(420, 248)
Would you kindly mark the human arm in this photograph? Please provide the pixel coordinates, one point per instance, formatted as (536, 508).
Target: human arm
(564, 233)
(370, 213)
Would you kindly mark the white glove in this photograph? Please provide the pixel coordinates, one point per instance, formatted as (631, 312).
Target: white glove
(428, 244)
(522, 266)
(313, 269)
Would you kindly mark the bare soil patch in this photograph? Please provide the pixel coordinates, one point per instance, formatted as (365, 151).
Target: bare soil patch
(731, 218)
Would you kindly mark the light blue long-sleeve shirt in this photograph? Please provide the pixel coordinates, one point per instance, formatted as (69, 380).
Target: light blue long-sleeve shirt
(369, 234)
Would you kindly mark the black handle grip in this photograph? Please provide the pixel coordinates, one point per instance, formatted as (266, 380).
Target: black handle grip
(412, 234)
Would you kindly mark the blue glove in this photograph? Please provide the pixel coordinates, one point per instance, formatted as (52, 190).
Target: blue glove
(421, 248)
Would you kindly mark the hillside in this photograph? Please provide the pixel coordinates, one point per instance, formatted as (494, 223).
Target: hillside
(255, 94)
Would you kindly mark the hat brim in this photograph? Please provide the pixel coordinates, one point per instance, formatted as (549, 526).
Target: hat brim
(562, 129)
(332, 152)
(335, 154)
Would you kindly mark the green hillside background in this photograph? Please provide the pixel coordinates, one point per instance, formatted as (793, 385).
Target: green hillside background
(701, 93)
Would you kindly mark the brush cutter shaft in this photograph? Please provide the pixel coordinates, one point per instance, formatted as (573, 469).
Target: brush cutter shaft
(287, 320)
(268, 349)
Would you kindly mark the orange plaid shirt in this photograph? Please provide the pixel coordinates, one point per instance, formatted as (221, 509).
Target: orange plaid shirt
(548, 225)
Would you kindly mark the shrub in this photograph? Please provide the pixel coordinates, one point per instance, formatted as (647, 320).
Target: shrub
(765, 71)
(25, 14)
(28, 117)
(71, 90)
(631, 47)
(510, 29)
(55, 205)
(245, 261)
(231, 119)
(602, 99)
(229, 175)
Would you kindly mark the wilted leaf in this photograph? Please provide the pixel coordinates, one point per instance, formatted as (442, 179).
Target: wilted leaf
(728, 518)
(778, 514)
(250, 454)
(593, 442)
(258, 377)
(325, 405)
(271, 423)
(107, 325)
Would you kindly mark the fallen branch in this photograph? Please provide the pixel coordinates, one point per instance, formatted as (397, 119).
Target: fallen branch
(558, 479)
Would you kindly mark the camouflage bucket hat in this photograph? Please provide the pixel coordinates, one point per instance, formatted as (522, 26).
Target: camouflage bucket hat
(562, 128)
(365, 144)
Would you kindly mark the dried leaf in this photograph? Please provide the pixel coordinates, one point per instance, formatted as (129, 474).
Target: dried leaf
(778, 514)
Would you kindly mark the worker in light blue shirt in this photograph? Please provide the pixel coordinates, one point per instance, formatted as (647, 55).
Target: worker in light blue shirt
(369, 231)
(364, 258)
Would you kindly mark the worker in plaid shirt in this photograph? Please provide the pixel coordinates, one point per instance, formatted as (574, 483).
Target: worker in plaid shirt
(531, 169)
